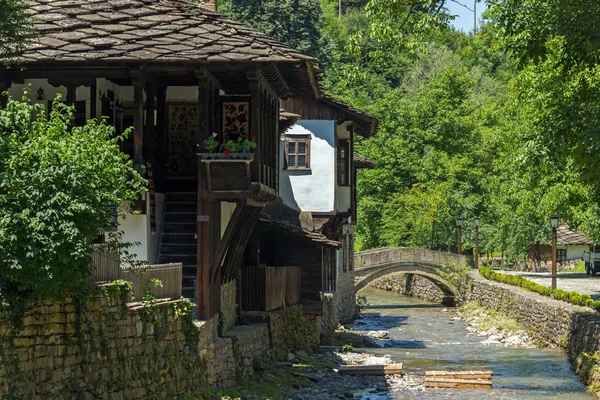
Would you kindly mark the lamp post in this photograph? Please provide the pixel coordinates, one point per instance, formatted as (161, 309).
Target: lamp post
(476, 222)
(459, 222)
(554, 225)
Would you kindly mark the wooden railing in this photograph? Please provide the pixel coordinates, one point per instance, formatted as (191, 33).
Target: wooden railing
(108, 269)
(269, 288)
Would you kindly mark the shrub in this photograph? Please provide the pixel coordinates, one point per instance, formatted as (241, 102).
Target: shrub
(558, 294)
(59, 185)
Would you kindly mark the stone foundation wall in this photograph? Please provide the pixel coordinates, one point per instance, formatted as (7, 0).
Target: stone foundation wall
(111, 349)
(556, 323)
(340, 307)
(410, 285)
(228, 311)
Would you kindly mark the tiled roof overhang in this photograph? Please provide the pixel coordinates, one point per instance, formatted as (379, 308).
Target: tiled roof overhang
(150, 31)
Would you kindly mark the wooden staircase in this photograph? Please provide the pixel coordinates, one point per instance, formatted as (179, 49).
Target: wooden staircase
(178, 238)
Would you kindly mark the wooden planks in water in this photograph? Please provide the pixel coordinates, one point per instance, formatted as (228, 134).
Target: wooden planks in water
(388, 369)
(459, 379)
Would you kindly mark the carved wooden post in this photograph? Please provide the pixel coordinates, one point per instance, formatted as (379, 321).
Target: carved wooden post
(137, 81)
(255, 124)
(149, 127)
(203, 283)
(71, 94)
(161, 126)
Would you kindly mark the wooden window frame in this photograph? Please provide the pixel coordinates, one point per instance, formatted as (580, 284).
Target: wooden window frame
(343, 144)
(296, 139)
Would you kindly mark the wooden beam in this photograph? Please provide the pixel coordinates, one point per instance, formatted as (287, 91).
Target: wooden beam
(388, 369)
(255, 123)
(93, 100)
(5, 83)
(138, 83)
(71, 94)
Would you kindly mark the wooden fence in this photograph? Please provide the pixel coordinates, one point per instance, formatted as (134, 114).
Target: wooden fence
(269, 288)
(108, 269)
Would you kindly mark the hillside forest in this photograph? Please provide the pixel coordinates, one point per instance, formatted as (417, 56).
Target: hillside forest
(501, 123)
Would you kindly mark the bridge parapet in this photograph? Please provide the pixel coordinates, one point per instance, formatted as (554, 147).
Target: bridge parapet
(390, 255)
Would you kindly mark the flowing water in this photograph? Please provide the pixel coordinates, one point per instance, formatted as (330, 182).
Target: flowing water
(425, 338)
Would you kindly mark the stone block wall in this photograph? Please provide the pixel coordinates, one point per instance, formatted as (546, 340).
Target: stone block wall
(410, 285)
(556, 323)
(111, 349)
(228, 311)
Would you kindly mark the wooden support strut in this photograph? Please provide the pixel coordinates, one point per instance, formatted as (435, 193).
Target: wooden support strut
(149, 126)
(138, 83)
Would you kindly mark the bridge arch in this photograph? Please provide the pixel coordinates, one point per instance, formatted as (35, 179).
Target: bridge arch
(374, 264)
(429, 272)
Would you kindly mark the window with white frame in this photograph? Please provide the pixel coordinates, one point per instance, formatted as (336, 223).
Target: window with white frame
(297, 152)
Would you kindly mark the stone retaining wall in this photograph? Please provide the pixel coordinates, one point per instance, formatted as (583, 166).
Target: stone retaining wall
(410, 285)
(110, 349)
(556, 323)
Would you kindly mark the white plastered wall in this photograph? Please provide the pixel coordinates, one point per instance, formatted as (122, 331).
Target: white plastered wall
(314, 189)
(576, 251)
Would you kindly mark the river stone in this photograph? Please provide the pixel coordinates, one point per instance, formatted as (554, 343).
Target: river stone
(379, 334)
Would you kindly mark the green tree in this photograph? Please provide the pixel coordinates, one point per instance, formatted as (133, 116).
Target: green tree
(58, 189)
(15, 27)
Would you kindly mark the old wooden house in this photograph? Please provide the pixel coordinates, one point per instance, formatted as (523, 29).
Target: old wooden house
(318, 170)
(177, 73)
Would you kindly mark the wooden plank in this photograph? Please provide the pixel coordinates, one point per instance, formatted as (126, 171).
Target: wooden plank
(483, 374)
(458, 383)
(388, 369)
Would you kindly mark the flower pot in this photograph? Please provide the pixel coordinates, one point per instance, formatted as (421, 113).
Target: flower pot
(227, 175)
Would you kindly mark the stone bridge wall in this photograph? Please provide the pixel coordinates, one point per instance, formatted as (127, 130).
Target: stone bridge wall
(114, 350)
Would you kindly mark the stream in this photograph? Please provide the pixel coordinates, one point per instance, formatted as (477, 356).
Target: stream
(424, 337)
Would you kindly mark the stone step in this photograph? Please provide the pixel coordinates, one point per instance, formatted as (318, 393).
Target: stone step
(180, 217)
(178, 248)
(179, 238)
(179, 206)
(188, 197)
(179, 227)
(185, 259)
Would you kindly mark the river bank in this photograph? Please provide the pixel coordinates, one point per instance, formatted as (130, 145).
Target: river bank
(424, 336)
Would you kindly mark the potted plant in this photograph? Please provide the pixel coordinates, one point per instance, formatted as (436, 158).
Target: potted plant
(227, 165)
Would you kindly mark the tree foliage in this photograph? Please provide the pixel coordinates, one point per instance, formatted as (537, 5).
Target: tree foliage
(58, 188)
(16, 27)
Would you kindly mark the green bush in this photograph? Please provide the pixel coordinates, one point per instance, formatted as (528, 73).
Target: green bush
(558, 294)
(59, 185)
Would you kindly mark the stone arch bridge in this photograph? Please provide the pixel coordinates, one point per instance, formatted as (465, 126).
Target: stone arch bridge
(373, 264)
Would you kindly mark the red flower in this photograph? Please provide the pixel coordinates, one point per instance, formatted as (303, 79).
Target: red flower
(254, 138)
(226, 151)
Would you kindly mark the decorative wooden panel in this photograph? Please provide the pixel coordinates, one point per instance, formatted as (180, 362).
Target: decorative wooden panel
(182, 122)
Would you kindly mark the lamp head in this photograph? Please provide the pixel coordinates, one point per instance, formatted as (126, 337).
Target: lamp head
(459, 221)
(554, 221)
(476, 221)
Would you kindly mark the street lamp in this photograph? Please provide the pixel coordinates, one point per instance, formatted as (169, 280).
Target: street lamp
(476, 222)
(554, 225)
(459, 222)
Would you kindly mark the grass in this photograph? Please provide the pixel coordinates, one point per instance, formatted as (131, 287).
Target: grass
(579, 268)
(483, 319)
(275, 382)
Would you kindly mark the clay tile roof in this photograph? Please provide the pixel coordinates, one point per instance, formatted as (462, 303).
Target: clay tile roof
(566, 236)
(145, 30)
(362, 162)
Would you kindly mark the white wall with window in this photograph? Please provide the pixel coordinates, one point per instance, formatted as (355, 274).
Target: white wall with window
(307, 180)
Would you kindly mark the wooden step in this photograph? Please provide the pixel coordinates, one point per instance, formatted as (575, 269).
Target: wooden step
(458, 383)
(388, 369)
(478, 379)
(483, 374)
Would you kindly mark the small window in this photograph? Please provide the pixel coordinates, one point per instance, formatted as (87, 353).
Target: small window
(297, 152)
(561, 255)
(343, 163)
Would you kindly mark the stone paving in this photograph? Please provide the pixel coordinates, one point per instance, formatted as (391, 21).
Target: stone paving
(578, 282)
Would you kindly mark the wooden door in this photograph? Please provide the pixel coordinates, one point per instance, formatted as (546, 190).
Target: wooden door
(182, 128)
